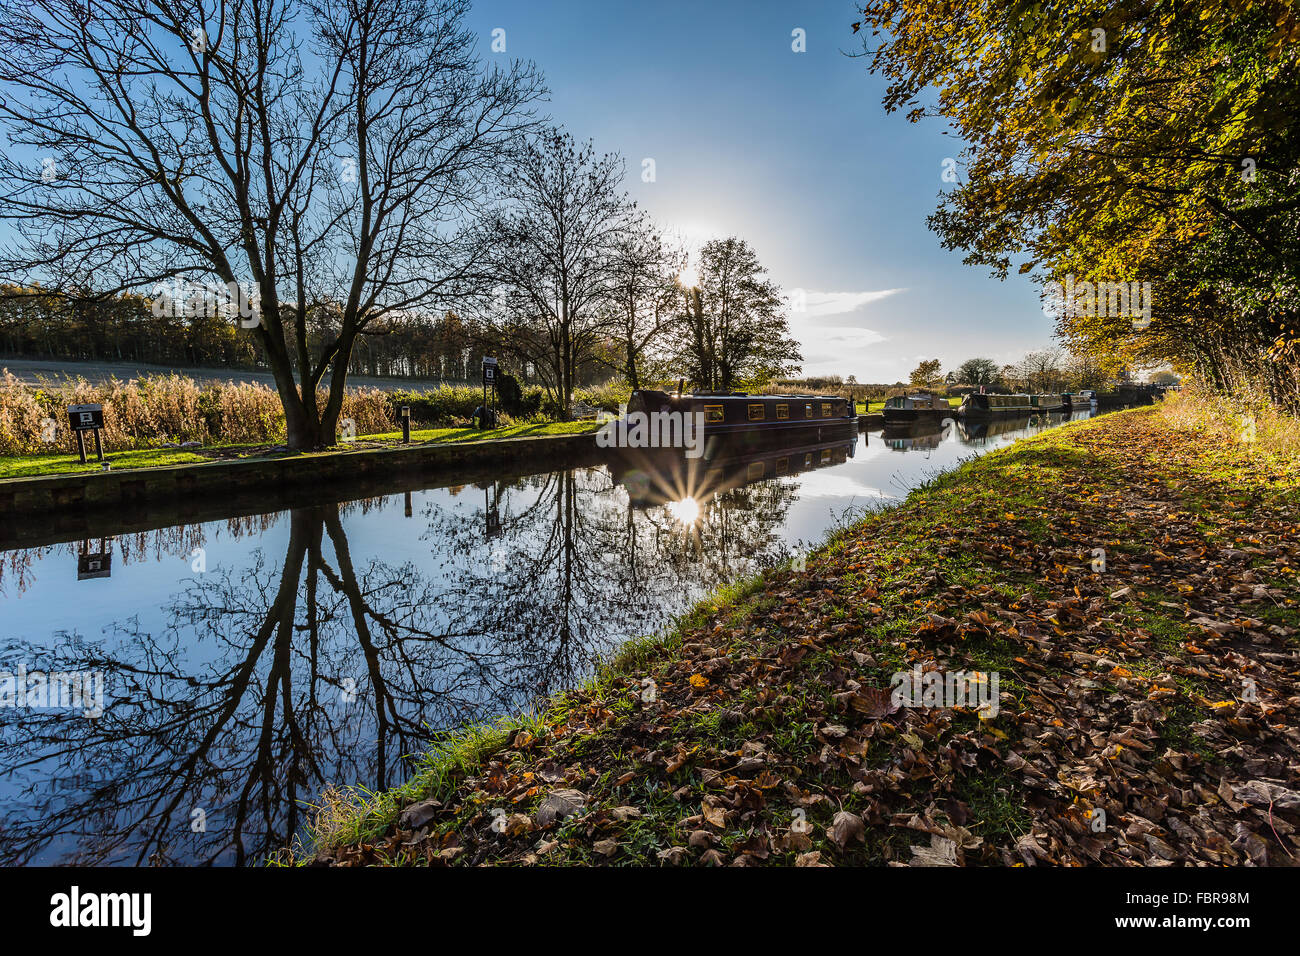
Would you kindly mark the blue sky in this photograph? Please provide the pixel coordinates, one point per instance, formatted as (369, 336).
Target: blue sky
(791, 151)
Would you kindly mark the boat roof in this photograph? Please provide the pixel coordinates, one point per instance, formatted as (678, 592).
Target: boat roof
(750, 395)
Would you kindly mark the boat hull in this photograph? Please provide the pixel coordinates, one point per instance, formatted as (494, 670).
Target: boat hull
(908, 416)
(976, 412)
(978, 406)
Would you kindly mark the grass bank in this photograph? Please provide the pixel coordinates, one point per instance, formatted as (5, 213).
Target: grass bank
(1130, 580)
(31, 466)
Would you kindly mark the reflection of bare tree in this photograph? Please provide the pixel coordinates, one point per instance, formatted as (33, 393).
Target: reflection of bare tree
(572, 569)
(265, 688)
(177, 542)
(270, 682)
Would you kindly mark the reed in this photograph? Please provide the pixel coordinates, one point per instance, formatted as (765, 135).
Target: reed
(153, 410)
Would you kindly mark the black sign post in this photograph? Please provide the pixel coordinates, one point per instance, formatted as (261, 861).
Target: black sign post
(94, 564)
(87, 418)
(489, 378)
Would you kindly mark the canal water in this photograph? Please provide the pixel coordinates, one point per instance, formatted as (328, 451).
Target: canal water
(233, 669)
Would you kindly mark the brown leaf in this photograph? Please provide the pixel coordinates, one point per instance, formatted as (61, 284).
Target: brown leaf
(873, 702)
(845, 827)
(558, 805)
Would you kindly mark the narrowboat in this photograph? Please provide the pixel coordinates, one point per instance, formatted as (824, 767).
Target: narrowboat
(1047, 403)
(753, 420)
(917, 407)
(976, 405)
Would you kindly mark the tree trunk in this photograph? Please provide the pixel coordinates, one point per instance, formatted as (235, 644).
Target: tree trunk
(301, 424)
(632, 379)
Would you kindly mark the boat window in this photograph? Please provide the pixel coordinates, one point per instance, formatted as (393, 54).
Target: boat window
(807, 411)
(756, 412)
(783, 411)
(826, 409)
(826, 455)
(782, 465)
(755, 471)
(713, 413)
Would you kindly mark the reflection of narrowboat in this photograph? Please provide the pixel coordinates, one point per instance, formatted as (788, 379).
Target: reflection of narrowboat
(664, 477)
(910, 440)
(984, 428)
(917, 407)
(928, 434)
(756, 419)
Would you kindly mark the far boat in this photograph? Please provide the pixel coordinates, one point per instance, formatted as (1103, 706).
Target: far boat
(976, 405)
(979, 405)
(916, 407)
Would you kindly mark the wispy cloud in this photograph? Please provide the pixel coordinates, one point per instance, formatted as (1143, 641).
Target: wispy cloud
(816, 305)
(830, 346)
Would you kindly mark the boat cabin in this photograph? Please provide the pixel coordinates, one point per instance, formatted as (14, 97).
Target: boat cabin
(739, 411)
(977, 404)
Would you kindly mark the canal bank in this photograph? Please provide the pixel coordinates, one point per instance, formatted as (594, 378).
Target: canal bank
(82, 501)
(1127, 585)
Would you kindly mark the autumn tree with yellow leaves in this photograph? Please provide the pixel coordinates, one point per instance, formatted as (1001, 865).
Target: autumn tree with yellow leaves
(1144, 141)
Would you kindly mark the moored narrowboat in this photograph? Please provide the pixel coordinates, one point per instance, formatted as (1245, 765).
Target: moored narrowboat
(915, 407)
(750, 419)
(977, 405)
(1047, 403)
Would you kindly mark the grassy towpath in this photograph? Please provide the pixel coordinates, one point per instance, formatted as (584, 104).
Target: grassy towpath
(32, 466)
(1148, 710)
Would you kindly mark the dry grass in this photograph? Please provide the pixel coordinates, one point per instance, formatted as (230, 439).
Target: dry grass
(1241, 419)
(150, 411)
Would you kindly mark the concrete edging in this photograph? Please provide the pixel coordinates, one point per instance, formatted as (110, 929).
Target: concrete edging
(105, 490)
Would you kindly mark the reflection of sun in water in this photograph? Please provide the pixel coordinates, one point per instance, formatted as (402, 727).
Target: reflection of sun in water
(687, 511)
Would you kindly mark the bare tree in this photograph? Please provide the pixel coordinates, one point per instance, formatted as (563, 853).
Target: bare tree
(322, 154)
(644, 297)
(553, 248)
(1041, 370)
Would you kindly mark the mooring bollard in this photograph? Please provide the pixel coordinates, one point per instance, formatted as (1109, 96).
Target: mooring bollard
(405, 415)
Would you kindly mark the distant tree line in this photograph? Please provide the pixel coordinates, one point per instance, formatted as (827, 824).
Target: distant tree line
(126, 328)
(1042, 371)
